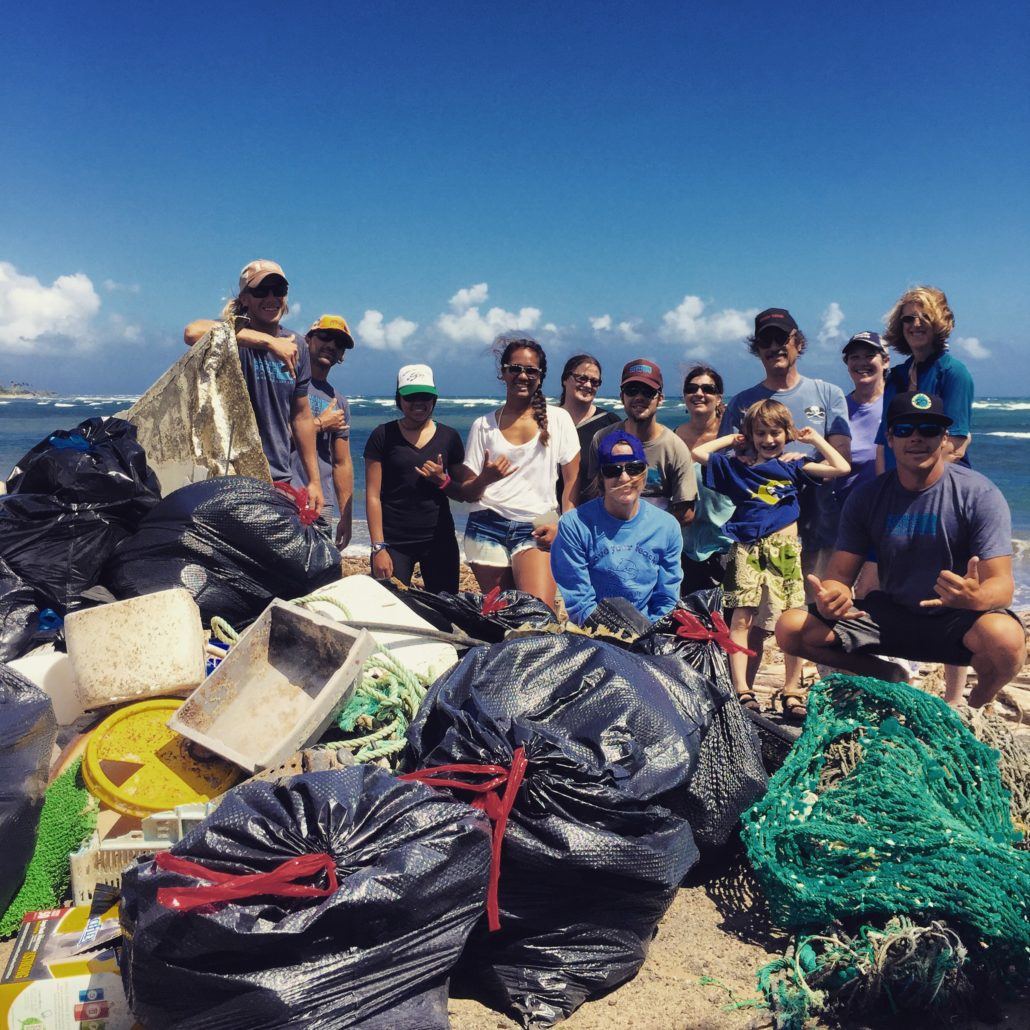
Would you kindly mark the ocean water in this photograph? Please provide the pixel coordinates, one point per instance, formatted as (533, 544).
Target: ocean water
(1000, 447)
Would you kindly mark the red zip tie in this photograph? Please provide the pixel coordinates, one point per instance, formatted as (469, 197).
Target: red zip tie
(492, 603)
(496, 806)
(280, 882)
(299, 496)
(692, 628)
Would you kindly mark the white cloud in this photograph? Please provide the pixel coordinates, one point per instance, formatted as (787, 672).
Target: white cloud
(32, 315)
(122, 329)
(550, 327)
(628, 331)
(973, 347)
(601, 324)
(115, 287)
(469, 297)
(833, 318)
(380, 335)
(688, 324)
(466, 324)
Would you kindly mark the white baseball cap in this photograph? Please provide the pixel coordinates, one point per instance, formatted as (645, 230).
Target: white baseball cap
(416, 379)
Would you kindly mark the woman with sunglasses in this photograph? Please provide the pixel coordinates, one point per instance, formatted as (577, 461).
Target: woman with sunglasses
(277, 371)
(511, 461)
(412, 466)
(580, 381)
(705, 544)
(614, 546)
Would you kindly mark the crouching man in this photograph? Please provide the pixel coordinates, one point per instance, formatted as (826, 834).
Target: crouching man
(943, 540)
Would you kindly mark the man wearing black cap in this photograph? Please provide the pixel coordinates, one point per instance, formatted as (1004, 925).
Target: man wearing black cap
(943, 540)
(778, 343)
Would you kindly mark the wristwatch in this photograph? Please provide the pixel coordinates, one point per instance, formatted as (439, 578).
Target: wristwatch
(376, 548)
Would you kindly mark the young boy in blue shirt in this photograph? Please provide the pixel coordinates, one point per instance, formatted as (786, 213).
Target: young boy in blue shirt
(764, 567)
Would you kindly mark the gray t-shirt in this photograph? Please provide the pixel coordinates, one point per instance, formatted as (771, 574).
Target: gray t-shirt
(917, 535)
(670, 469)
(320, 397)
(823, 407)
(272, 389)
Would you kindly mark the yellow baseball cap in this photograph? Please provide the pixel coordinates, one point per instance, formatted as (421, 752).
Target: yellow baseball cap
(333, 324)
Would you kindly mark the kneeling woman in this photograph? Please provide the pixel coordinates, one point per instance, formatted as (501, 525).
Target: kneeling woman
(614, 546)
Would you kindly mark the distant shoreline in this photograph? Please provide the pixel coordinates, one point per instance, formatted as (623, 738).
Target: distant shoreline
(24, 392)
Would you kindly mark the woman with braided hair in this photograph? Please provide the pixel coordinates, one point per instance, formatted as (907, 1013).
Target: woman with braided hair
(511, 461)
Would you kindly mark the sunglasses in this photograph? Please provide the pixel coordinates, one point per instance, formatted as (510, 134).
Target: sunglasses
(768, 340)
(639, 390)
(631, 468)
(706, 388)
(328, 336)
(530, 371)
(586, 380)
(927, 430)
(277, 290)
(912, 319)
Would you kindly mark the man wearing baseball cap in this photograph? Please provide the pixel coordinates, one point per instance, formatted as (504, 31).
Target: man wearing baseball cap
(942, 534)
(670, 483)
(778, 343)
(328, 341)
(277, 372)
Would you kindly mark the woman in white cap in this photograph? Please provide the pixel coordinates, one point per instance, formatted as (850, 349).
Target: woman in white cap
(277, 371)
(412, 465)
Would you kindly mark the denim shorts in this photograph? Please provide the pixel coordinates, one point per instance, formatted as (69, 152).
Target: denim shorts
(491, 539)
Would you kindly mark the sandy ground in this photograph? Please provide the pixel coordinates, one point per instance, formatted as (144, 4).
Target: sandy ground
(717, 927)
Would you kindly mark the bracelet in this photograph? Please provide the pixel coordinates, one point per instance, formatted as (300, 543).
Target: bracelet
(446, 481)
(376, 548)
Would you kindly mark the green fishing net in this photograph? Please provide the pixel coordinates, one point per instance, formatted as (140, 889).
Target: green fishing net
(888, 806)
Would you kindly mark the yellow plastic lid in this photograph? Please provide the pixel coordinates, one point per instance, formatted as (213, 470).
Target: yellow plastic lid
(136, 765)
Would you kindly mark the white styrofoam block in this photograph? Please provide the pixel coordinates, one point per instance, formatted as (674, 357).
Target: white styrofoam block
(367, 599)
(143, 647)
(52, 672)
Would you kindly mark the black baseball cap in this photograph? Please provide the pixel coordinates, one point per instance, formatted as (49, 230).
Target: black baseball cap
(873, 340)
(922, 407)
(774, 318)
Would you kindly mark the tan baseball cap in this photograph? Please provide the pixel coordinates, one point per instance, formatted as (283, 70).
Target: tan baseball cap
(333, 324)
(253, 273)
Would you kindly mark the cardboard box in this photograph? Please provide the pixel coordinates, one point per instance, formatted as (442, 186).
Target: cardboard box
(63, 973)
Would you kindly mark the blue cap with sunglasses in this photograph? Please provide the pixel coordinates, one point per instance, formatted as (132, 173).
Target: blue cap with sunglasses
(917, 408)
(612, 440)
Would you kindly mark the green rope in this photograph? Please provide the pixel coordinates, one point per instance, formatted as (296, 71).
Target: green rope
(68, 818)
(221, 630)
(383, 704)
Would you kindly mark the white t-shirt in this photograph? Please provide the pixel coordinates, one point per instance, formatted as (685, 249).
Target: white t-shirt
(529, 491)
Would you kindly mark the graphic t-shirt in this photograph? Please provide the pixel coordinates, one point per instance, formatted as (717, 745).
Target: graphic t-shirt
(864, 420)
(918, 534)
(414, 508)
(596, 556)
(766, 495)
(272, 389)
(670, 469)
(529, 491)
(320, 396)
(815, 403)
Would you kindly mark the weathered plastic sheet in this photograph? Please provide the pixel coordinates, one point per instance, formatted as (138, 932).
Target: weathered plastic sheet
(199, 414)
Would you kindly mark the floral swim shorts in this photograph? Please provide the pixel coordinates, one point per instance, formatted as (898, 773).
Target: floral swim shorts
(765, 575)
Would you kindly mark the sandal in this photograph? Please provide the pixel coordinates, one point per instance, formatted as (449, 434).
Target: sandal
(748, 700)
(793, 704)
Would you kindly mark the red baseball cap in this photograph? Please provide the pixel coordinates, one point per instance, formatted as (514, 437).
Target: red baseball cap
(643, 370)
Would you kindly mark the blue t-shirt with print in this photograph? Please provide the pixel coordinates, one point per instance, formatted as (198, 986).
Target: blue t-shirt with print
(272, 390)
(820, 405)
(320, 396)
(766, 495)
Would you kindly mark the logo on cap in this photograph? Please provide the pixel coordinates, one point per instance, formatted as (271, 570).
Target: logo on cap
(646, 369)
(921, 401)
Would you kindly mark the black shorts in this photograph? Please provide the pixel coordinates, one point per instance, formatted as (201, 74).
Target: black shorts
(896, 631)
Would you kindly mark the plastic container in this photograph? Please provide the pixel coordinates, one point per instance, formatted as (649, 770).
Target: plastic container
(137, 766)
(143, 647)
(364, 598)
(278, 689)
(53, 673)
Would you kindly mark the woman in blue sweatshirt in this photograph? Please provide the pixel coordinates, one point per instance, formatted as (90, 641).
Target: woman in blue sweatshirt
(614, 546)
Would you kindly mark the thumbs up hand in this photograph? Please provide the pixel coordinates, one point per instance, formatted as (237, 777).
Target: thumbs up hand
(833, 599)
(955, 591)
(331, 420)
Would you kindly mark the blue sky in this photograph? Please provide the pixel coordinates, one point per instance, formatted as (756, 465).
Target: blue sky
(622, 178)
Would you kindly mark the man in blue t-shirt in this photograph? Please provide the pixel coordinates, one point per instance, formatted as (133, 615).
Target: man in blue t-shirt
(328, 341)
(778, 343)
(943, 539)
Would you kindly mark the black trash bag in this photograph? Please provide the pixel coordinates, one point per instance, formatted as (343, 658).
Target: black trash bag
(618, 615)
(598, 838)
(24, 622)
(730, 775)
(233, 542)
(485, 617)
(97, 462)
(28, 729)
(412, 868)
